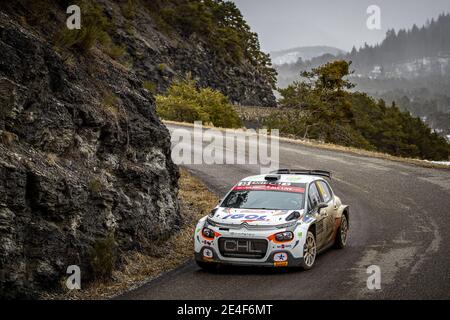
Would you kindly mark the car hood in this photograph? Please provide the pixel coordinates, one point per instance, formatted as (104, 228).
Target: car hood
(251, 216)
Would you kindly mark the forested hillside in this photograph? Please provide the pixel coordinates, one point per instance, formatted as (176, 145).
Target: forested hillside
(430, 40)
(404, 53)
(410, 67)
(321, 106)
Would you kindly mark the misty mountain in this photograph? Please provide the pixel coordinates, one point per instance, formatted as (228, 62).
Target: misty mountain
(405, 54)
(410, 67)
(292, 55)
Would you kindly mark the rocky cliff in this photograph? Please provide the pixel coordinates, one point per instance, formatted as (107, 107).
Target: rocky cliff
(85, 167)
(83, 158)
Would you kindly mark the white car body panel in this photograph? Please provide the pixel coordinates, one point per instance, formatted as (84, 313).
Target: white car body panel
(251, 224)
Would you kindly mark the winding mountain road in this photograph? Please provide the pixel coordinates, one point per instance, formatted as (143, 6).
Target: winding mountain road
(400, 221)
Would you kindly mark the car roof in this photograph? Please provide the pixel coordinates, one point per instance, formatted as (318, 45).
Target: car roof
(296, 178)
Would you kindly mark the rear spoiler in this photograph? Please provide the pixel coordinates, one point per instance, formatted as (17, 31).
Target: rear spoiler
(322, 173)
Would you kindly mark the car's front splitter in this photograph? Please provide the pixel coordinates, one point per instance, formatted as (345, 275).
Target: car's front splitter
(275, 259)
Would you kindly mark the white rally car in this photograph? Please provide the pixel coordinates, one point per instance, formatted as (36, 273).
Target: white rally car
(282, 219)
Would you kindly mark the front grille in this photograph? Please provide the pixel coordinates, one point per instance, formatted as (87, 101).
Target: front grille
(243, 248)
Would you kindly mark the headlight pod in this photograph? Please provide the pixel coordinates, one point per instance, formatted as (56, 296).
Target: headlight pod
(208, 233)
(284, 236)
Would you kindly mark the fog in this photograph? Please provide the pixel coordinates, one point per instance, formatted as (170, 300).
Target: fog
(283, 24)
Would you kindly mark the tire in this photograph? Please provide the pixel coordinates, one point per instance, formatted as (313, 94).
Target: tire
(309, 251)
(342, 233)
(207, 266)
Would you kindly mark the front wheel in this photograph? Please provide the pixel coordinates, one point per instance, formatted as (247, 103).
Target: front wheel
(309, 251)
(342, 234)
(207, 266)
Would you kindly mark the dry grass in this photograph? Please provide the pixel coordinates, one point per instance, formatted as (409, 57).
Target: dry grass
(334, 147)
(52, 158)
(109, 104)
(196, 201)
(7, 137)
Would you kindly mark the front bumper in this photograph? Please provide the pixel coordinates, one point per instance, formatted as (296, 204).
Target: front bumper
(269, 261)
(247, 251)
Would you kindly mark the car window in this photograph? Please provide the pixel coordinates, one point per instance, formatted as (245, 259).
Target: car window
(313, 196)
(272, 200)
(324, 190)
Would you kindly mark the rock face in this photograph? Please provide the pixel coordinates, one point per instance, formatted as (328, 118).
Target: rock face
(83, 158)
(158, 57)
(85, 167)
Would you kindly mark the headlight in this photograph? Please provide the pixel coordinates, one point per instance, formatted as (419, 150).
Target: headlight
(284, 236)
(208, 233)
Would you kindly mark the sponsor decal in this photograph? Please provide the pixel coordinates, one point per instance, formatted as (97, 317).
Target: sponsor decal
(293, 179)
(231, 245)
(208, 243)
(270, 187)
(252, 183)
(246, 218)
(280, 264)
(284, 246)
(240, 234)
(252, 211)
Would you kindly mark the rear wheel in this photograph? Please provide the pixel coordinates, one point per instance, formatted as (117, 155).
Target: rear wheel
(309, 251)
(342, 233)
(207, 266)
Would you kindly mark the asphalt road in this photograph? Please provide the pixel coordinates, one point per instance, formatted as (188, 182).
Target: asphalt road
(400, 221)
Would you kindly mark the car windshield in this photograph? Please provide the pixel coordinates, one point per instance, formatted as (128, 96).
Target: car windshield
(265, 199)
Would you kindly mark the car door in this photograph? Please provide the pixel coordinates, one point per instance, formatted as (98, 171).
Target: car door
(314, 198)
(328, 213)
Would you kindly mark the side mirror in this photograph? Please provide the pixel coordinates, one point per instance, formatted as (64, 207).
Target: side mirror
(321, 205)
(318, 207)
(293, 216)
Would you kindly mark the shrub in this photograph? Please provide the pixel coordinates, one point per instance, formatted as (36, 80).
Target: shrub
(102, 257)
(185, 102)
(110, 104)
(128, 9)
(94, 29)
(150, 86)
(95, 185)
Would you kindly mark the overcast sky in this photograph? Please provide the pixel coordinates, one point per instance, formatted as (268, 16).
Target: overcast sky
(283, 24)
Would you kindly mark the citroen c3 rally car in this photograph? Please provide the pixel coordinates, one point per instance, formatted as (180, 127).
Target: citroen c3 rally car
(282, 219)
